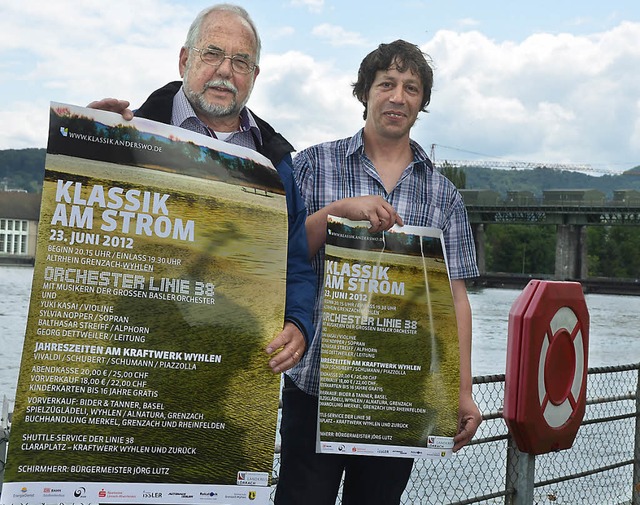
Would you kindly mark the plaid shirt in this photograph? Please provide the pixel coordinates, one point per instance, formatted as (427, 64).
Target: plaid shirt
(184, 116)
(423, 197)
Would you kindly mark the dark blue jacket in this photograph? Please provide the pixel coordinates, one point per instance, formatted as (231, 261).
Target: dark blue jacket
(301, 280)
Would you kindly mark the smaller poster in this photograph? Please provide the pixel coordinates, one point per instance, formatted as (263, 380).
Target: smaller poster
(390, 368)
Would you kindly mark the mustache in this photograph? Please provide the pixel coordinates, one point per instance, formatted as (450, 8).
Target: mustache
(221, 83)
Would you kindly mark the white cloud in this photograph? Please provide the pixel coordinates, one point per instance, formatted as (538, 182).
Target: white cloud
(282, 32)
(467, 22)
(312, 5)
(25, 125)
(306, 100)
(65, 52)
(338, 36)
(634, 137)
(559, 97)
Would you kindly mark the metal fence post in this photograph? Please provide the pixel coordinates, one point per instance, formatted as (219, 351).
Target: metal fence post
(520, 476)
(4, 437)
(635, 494)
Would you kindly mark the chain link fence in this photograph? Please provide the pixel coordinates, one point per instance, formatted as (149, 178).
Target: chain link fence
(601, 468)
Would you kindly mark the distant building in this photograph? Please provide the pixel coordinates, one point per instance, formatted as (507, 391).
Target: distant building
(19, 215)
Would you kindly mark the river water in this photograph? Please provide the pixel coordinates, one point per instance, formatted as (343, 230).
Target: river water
(614, 327)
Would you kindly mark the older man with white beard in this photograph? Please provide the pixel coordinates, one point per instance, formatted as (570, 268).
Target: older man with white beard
(218, 64)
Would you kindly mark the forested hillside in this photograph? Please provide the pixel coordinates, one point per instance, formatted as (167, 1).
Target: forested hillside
(540, 179)
(24, 169)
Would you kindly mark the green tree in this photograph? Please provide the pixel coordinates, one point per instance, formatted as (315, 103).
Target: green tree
(515, 248)
(596, 250)
(613, 251)
(22, 169)
(454, 174)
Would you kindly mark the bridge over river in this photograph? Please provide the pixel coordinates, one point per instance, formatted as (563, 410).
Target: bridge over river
(571, 218)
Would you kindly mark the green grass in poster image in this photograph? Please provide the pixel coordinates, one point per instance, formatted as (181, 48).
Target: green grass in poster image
(231, 251)
(436, 386)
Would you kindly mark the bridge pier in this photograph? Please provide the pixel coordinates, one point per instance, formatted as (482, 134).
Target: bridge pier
(571, 252)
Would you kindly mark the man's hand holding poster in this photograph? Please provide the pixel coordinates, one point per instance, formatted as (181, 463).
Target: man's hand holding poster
(159, 280)
(389, 373)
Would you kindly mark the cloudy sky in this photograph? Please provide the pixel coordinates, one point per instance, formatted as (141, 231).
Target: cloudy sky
(544, 81)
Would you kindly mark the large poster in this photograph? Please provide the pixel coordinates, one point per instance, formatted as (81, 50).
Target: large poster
(159, 280)
(389, 372)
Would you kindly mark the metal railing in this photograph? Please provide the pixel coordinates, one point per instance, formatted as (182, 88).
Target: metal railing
(601, 468)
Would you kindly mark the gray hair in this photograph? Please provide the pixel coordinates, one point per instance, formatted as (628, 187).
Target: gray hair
(194, 30)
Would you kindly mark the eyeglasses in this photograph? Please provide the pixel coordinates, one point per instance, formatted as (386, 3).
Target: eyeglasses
(215, 57)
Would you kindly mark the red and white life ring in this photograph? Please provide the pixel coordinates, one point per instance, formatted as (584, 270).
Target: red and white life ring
(561, 368)
(546, 375)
